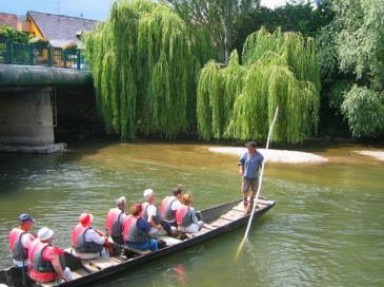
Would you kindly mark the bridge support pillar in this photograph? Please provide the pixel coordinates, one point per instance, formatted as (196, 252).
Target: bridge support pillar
(26, 120)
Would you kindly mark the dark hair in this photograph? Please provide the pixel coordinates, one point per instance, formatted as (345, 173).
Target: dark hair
(177, 190)
(251, 144)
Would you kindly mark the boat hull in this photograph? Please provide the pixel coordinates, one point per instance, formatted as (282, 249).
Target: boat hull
(209, 215)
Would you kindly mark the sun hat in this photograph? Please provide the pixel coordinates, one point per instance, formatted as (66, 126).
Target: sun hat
(148, 192)
(86, 219)
(25, 217)
(45, 234)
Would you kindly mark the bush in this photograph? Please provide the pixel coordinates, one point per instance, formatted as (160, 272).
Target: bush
(364, 110)
(7, 33)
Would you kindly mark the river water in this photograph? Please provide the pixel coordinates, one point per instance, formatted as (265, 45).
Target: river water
(327, 228)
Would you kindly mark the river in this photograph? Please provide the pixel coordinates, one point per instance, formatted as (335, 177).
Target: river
(327, 228)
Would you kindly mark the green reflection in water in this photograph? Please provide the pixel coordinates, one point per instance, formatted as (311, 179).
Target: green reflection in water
(326, 230)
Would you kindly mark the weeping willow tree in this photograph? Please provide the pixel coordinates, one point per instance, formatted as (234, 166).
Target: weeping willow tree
(238, 101)
(145, 62)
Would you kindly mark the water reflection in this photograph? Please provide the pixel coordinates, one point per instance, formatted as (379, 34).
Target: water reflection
(326, 230)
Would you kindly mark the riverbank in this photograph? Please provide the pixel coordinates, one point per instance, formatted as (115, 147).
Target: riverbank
(379, 155)
(275, 155)
(289, 156)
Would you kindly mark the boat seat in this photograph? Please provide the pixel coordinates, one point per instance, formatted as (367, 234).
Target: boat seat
(100, 263)
(170, 240)
(117, 260)
(90, 267)
(219, 222)
(79, 273)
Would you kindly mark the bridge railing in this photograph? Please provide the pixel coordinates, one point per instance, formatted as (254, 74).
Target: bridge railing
(31, 54)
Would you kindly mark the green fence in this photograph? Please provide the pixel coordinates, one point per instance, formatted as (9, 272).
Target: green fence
(31, 54)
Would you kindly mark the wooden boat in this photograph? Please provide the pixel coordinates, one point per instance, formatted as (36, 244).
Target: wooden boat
(218, 220)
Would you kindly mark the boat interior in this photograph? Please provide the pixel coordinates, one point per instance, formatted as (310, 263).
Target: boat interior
(214, 218)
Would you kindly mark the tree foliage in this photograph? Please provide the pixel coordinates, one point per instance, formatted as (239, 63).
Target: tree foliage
(220, 17)
(145, 62)
(352, 52)
(294, 16)
(364, 110)
(15, 36)
(238, 101)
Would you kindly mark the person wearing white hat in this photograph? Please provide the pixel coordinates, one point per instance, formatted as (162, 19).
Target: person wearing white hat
(115, 219)
(45, 260)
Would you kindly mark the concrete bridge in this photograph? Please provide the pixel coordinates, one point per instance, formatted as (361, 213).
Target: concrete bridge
(35, 101)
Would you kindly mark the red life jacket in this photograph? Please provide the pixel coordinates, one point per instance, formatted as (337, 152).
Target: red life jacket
(165, 208)
(40, 270)
(131, 233)
(78, 240)
(15, 247)
(183, 216)
(112, 222)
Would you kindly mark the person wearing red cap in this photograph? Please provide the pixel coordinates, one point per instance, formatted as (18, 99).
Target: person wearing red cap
(86, 241)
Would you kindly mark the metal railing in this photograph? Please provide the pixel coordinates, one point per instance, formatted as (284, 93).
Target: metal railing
(31, 54)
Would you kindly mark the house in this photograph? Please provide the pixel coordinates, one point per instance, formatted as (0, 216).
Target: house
(9, 20)
(58, 30)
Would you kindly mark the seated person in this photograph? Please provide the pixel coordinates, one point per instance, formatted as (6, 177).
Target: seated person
(87, 242)
(19, 240)
(152, 215)
(169, 205)
(186, 216)
(136, 231)
(150, 212)
(46, 261)
(115, 219)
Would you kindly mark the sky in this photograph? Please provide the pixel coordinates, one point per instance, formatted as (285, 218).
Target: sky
(89, 9)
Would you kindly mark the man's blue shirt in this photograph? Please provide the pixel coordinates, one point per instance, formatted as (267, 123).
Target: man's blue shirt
(251, 164)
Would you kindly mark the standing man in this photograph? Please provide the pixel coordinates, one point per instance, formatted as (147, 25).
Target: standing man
(249, 167)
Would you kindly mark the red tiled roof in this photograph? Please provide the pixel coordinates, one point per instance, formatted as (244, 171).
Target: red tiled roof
(9, 20)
